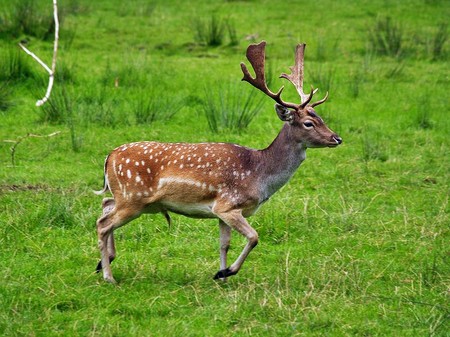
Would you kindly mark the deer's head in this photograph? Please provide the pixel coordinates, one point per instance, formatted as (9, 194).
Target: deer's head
(306, 126)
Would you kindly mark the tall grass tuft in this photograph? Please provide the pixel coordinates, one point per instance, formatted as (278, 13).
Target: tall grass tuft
(58, 213)
(5, 96)
(232, 34)
(395, 71)
(386, 37)
(439, 39)
(141, 8)
(24, 17)
(59, 110)
(100, 106)
(356, 80)
(322, 78)
(150, 108)
(373, 149)
(58, 107)
(231, 108)
(210, 33)
(14, 65)
(423, 118)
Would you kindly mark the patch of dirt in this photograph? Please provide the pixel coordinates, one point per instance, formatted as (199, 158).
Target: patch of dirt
(25, 187)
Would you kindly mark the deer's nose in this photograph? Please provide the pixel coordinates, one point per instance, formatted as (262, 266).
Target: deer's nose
(337, 139)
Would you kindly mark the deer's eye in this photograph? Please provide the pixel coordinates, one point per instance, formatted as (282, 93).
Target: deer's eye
(308, 124)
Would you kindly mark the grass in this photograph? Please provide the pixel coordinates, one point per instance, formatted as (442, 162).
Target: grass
(387, 37)
(229, 108)
(356, 244)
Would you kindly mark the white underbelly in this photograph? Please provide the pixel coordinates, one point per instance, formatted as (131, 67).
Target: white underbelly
(193, 210)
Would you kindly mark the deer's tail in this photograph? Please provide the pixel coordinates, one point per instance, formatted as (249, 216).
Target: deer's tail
(105, 180)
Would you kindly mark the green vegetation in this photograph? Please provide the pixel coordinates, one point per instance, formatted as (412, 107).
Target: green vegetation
(356, 244)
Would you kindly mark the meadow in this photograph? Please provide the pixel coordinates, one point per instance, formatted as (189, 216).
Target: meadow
(356, 244)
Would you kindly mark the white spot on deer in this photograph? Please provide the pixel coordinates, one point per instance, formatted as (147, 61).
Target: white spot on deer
(138, 179)
(181, 166)
(120, 167)
(128, 160)
(139, 194)
(142, 163)
(128, 174)
(148, 170)
(136, 163)
(199, 159)
(182, 157)
(175, 161)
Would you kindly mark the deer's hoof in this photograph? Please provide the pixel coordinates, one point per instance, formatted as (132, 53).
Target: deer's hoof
(221, 274)
(99, 265)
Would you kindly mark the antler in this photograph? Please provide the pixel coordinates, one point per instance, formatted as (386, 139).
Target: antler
(256, 56)
(296, 78)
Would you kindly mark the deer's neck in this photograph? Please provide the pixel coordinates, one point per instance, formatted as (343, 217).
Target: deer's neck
(279, 161)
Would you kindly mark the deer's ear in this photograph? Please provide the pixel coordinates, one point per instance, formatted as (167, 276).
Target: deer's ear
(284, 113)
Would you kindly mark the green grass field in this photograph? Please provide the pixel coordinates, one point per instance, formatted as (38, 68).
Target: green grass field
(356, 244)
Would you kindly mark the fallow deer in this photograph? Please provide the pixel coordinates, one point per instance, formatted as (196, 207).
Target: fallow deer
(212, 180)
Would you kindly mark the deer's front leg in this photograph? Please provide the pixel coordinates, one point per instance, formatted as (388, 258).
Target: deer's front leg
(105, 228)
(108, 205)
(225, 238)
(235, 220)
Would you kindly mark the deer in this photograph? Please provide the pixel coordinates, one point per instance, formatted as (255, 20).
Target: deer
(223, 181)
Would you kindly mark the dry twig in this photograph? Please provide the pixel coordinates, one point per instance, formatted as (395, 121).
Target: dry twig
(51, 71)
(22, 138)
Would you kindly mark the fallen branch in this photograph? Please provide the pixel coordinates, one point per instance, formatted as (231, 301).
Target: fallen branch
(51, 71)
(21, 139)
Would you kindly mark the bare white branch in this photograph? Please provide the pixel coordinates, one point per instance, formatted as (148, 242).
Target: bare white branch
(51, 71)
